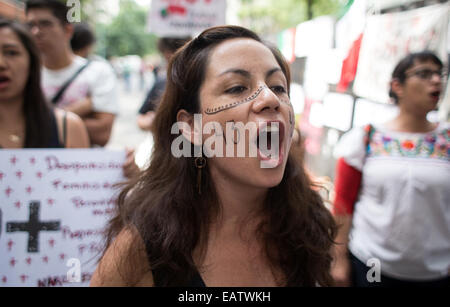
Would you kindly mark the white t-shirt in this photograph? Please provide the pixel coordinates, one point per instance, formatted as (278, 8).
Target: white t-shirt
(402, 216)
(97, 81)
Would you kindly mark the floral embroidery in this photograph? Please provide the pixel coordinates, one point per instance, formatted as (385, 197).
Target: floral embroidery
(408, 145)
(431, 145)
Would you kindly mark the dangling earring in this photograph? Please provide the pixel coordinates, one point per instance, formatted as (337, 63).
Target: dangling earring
(200, 163)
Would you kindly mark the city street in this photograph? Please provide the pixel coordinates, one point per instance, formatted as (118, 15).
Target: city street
(125, 132)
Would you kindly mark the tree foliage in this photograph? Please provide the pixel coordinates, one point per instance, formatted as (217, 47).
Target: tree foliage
(126, 33)
(270, 17)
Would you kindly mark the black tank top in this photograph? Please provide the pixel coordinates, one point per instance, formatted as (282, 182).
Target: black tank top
(54, 139)
(195, 282)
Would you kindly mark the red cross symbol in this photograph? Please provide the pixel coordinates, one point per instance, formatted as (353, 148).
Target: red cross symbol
(8, 191)
(1, 176)
(28, 260)
(24, 278)
(12, 262)
(50, 202)
(10, 245)
(62, 256)
(29, 189)
(45, 259)
(19, 174)
(39, 175)
(17, 204)
(13, 160)
(32, 160)
(51, 242)
(4, 279)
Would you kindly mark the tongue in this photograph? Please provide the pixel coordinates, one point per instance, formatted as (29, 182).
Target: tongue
(269, 156)
(267, 161)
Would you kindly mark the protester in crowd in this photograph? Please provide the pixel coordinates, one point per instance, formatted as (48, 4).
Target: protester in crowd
(83, 45)
(167, 46)
(392, 188)
(26, 119)
(69, 81)
(196, 221)
(83, 41)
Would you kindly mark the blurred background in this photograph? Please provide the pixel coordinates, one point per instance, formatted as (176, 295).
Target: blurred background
(342, 53)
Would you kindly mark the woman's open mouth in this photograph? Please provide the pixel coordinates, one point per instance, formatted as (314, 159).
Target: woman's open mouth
(435, 95)
(269, 143)
(4, 82)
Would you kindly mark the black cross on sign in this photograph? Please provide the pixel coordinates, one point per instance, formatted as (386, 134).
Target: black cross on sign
(33, 227)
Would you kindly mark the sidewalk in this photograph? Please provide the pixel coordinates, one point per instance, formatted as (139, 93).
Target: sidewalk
(125, 132)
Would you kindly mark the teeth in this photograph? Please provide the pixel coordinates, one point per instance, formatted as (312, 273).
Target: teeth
(271, 129)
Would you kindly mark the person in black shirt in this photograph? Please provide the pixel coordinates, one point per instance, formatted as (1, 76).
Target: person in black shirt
(167, 46)
(220, 220)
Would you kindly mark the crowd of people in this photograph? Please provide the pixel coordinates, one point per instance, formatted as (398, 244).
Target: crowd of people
(203, 220)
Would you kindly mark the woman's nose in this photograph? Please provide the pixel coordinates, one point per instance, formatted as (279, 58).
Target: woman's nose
(266, 101)
(35, 30)
(436, 78)
(2, 62)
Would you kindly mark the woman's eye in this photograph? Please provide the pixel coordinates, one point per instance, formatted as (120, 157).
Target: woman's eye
(278, 89)
(11, 52)
(424, 74)
(236, 90)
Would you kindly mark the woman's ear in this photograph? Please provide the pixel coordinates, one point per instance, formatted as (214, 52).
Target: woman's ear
(397, 88)
(190, 126)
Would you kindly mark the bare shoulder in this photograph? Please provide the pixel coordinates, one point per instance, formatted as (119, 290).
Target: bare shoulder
(76, 133)
(124, 263)
(70, 116)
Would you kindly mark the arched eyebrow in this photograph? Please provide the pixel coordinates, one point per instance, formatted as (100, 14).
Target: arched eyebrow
(237, 71)
(247, 74)
(10, 45)
(272, 71)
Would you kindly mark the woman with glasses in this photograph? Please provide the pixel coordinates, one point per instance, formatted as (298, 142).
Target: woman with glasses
(393, 188)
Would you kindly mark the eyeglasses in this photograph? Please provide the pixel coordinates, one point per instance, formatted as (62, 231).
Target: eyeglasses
(427, 74)
(41, 25)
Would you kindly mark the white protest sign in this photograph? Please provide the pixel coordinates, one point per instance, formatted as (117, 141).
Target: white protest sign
(54, 205)
(390, 37)
(185, 17)
(314, 36)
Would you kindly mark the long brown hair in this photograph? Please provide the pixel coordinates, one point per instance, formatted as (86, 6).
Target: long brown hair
(173, 219)
(37, 111)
